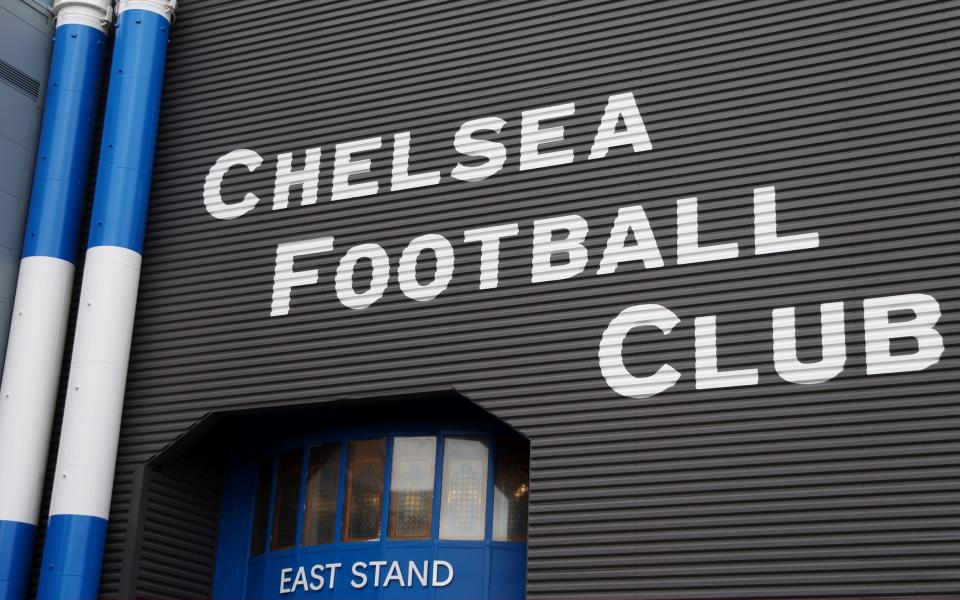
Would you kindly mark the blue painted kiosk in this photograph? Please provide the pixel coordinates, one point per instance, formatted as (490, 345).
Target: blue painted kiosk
(389, 510)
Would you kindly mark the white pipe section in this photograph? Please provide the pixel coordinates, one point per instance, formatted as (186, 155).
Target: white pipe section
(31, 376)
(98, 374)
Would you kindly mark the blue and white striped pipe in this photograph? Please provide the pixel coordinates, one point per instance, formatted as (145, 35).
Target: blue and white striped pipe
(83, 480)
(31, 374)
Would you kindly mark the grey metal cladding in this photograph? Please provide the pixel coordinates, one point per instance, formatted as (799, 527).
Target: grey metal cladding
(840, 489)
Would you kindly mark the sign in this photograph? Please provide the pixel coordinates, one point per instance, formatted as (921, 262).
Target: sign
(558, 251)
(374, 573)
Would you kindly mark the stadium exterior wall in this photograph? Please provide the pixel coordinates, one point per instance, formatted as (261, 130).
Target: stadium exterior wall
(842, 116)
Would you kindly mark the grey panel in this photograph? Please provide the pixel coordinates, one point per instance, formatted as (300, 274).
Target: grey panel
(842, 489)
(24, 56)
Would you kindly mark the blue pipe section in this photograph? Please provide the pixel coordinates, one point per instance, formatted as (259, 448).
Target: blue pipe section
(66, 138)
(130, 131)
(16, 552)
(72, 554)
(73, 550)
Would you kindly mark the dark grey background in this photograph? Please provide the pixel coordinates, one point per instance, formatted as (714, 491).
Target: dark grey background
(848, 488)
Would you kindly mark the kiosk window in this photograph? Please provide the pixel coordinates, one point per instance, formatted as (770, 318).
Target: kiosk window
(258, 537)
(463, 507)
(364, 493)
(320, 516)
(284, 533)
(512, 492)
(411, 487)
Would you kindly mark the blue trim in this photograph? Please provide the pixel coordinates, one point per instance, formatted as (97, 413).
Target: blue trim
(72, 553)
(66, 138)
(16, 552)
(130, 131)
(341, 491)
(485, 569)
(387, 478)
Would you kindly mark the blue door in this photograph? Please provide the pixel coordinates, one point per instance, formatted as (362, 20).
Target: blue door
(377, 513)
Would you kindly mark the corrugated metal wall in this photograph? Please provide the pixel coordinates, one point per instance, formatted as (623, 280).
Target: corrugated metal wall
(847, 488)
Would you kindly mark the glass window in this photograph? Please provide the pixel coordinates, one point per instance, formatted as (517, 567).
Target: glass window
(364, 493)
(320, 515)
(411, 487)
(284, 532)
(512, 492)
(464, 498)
(258, 537)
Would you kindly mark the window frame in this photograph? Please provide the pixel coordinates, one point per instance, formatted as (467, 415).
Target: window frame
(491, 436)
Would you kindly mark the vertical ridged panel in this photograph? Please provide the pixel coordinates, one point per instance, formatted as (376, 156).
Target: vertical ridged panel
(843, 489)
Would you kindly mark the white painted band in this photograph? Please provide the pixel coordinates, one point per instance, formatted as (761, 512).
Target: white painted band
(164, 8)
(31, 378)
(92, 13)
(101, 348)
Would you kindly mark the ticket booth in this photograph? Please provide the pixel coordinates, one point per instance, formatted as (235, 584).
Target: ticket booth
(381, 510)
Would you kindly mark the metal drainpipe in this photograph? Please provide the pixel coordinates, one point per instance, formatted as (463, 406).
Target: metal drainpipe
(83, 480)
(31, 373)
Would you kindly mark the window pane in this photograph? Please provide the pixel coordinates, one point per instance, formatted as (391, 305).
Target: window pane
(284, 533)
(411, 487)
(258, 538)
(320, 517)
(512, 492)
(365, 469)
(464, 496)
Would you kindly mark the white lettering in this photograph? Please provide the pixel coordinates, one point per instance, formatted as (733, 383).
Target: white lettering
(436, 580)
(285, 278)
(466, 144)
(378, 281)
(344, 167)
(766, 240)
(832, 345)
(878, 331)
(532, 137)
(308, 177)
(544, 247)
(214, 181)
(317, 577)
(402, 179)
(708, 376)
(332, 570)
(443, 273)
(300, 580)
(421, 575)
(359, 577)
(285, 579)
(689, 249)
(376, 572)
(630, 220)
(394, 573)
(489, 238)
(610, 354)
(620, 106)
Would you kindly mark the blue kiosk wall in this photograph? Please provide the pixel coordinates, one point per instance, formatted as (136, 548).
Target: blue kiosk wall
(270, 490)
